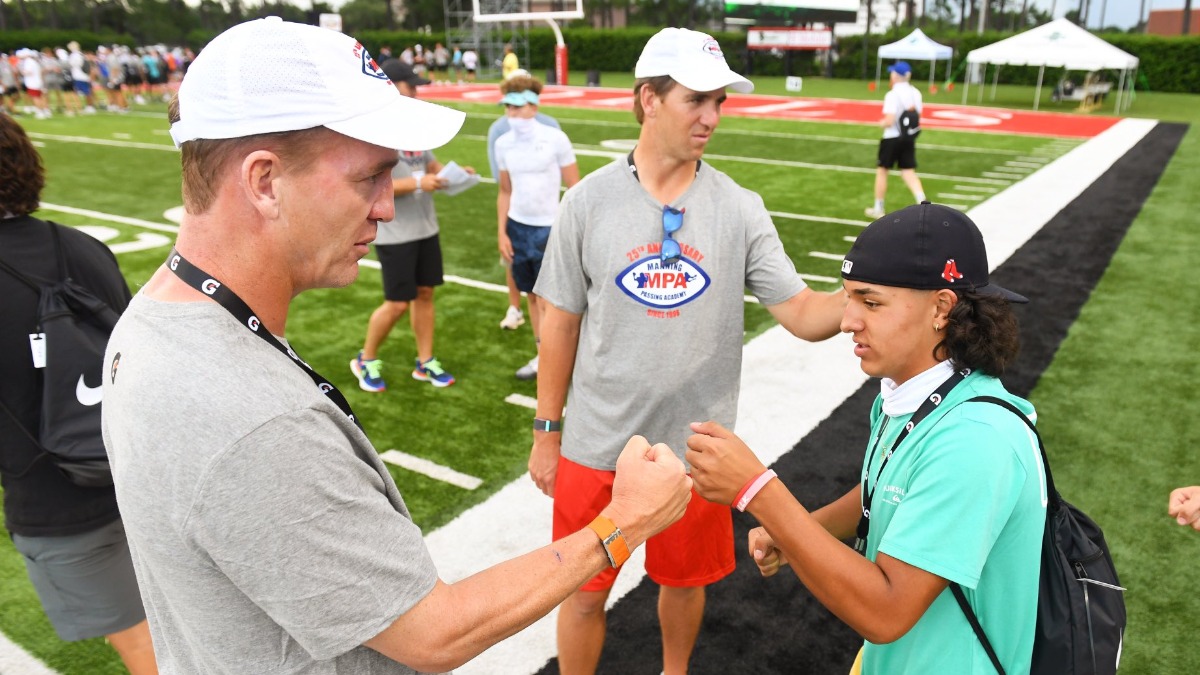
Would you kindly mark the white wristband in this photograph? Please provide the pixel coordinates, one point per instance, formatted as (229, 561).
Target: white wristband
(417, 176)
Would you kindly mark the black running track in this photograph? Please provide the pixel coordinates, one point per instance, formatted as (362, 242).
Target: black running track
(765, 626)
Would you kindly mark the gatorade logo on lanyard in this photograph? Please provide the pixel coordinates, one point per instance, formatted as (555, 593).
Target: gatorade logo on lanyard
(200, 280)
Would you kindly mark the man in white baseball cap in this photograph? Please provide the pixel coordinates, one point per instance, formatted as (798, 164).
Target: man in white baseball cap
(266, 534)
(646, 271)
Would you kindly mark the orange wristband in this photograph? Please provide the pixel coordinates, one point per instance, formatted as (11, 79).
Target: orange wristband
(612, 539)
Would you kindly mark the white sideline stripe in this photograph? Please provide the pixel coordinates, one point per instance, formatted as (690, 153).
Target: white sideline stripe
(826, 256)
(1036, 160)
(995, 174)
(819, 219)
(161, 227)
(818, 277)
(103, 141)
(1025, 165)
(774, 413)
(951, 195)
(850, 239)
(975, 188)
(522, 400)
(483, 285)
(432, 469)
(16, 661)
(1021, 171)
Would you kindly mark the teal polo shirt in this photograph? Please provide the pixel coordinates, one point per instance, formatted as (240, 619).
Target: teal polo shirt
(963, 497)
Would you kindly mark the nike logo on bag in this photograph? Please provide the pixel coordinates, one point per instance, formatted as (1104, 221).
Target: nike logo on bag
(86, 395)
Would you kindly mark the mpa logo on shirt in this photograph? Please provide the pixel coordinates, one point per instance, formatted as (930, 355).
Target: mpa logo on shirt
(660, 286)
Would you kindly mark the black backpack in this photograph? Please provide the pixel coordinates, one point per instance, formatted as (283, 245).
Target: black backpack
(910, 123)
(75, 326)
(1081, 604)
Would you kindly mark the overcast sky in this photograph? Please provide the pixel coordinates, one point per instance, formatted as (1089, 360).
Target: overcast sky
(1123, 13)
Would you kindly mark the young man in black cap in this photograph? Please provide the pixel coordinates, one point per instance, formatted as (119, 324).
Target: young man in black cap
(951, 491)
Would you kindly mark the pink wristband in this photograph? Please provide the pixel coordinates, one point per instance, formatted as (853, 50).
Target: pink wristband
(751, 489)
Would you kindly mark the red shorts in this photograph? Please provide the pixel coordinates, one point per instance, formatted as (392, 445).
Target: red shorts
(34, 93)
(695, 551)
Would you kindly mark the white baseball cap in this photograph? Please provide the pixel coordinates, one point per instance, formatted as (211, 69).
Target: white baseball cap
(269, 75)
(692, 59)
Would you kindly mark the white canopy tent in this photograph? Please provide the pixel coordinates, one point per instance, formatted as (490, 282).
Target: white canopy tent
(1058, 44)
(916, 47)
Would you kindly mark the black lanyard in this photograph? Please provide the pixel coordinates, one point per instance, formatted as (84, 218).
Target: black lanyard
(200, 280)
(868, 496)
(633, 167)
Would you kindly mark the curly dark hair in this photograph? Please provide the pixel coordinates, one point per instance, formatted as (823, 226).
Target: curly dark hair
(981, 334)
(22, 176)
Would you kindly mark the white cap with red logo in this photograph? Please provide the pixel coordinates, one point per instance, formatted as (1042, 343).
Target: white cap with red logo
(269, 75)
(692, 59)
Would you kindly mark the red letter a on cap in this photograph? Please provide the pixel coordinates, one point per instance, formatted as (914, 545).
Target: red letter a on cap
(950, 273)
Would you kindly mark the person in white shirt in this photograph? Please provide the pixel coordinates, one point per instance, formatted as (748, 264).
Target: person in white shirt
(899, 144)
(81, 76)
(30, 66)
(535, 161)
(470, 61)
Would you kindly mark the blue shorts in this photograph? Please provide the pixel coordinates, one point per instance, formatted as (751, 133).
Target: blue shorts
(83, 88)
(529, 247)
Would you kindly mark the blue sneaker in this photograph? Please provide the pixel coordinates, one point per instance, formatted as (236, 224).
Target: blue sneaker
(369, 373)
(432, 372)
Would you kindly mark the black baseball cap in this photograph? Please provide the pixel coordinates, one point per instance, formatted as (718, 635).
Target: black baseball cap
(926, 247)
(399, 71)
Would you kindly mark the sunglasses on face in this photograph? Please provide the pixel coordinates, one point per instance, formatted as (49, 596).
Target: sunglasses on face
(672, 220)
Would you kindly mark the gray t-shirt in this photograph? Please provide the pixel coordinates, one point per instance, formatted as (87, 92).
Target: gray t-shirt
(266, 534)
(659, 347)
(415, 218)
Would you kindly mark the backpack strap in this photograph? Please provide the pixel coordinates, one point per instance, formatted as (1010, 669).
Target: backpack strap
(42, 452)
(1050, 492)
(966, 608)
(20, 277)
(60, 259)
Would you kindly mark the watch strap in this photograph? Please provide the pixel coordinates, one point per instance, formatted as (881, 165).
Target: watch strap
(542, 424)
(612, 539)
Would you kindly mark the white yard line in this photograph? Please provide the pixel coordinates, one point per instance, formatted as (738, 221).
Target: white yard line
(779, 404)
(951, 195)
(826, 256)
(431, 469)
(16, 661)
(522, 400)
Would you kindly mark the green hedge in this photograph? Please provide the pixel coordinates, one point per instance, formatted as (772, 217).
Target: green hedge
(1167, 63)
(12, 40)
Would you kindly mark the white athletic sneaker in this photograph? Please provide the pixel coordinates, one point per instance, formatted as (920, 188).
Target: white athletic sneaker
(529, 370)
(873, 212)
(89, 110)
(513, 318)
